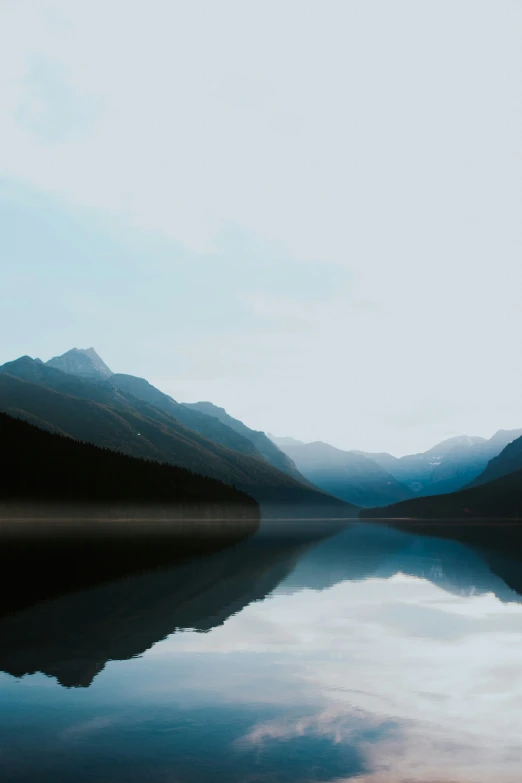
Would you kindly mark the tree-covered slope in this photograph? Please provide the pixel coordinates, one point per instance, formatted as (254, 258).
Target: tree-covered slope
(499, 499)
(98, 413)
(208, 426)
(47, 467)
(86, 364)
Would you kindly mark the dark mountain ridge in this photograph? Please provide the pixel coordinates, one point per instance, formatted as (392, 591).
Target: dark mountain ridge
(208, 426)
(41, 466)
(73, 513)
(97, 412)
(205, 418)
(498, 499)
(266, 447)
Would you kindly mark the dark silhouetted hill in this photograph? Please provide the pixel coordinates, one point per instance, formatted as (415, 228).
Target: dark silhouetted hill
(46, 467)
(499, 499)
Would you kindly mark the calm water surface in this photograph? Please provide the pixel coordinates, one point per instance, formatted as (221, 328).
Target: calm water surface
(362, 654)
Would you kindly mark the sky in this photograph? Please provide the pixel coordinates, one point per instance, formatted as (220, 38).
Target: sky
(307, 213)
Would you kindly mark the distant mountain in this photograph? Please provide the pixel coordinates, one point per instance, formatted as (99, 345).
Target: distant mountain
(349, 476)
(96, 412)
(448, 466)
(379, 479)
(266, 447)
(285, 441)
(498, 499)
(84, 362)
(508, 461)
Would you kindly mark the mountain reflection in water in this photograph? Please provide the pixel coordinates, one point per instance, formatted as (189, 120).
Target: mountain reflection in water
(303, 653)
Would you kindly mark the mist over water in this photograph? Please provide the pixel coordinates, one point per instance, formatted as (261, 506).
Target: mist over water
(298, 651)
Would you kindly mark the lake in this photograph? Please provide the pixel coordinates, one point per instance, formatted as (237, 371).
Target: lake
(303, 653)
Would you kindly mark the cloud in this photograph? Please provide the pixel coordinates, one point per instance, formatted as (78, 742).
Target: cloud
(338, 146)
(337, 725)
(426, 684)
(402, 751)
(49, 107)
(87, 727)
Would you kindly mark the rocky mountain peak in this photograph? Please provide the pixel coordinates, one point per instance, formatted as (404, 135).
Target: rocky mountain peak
(83, 362)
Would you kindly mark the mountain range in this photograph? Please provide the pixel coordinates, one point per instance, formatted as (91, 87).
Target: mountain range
(348, 475)
(266, 447)
(449, 465)
(90, 406)
(380, 479)
(77, 395)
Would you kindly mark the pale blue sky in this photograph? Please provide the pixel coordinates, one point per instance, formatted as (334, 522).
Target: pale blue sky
(307, 212)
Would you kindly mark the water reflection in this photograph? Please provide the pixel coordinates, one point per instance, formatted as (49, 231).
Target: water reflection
(366, 654)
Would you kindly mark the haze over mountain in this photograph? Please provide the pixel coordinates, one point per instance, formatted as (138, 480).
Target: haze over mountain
(447, 466)
(207, 426)
(508, 461)
(268, 448)
(285, 441)
(98, 412)
(203, 417)
(350, 476)
(379, 479)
